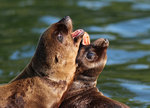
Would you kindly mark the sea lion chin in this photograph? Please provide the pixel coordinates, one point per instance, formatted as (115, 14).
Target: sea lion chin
(44, 81)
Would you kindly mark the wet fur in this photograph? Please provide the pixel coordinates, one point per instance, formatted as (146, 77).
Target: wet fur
(83, 93)
(44, 81)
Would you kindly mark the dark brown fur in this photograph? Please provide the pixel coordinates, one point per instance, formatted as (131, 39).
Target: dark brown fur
(83, 92)
(44, 81)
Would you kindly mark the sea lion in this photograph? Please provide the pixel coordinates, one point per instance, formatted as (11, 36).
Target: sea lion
(83, 92)
(44, 81)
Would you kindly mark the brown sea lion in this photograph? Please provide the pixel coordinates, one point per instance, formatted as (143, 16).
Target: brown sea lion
(45, 79)
(83, 92)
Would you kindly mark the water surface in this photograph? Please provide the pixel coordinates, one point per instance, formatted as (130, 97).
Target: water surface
(126, 23)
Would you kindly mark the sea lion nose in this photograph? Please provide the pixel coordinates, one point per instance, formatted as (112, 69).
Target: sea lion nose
(66, 19)
(106, 42)
(101, 42)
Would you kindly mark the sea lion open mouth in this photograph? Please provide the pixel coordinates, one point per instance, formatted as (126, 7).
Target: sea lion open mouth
(77, 33)
(86, 37)
(66, 24)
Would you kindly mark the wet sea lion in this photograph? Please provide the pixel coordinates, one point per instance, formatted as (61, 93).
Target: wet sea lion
(45, 79)
(83, 92)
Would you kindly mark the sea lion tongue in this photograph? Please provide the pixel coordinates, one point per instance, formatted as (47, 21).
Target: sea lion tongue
(86, 37)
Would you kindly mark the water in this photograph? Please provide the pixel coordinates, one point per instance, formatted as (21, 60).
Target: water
(126, 23)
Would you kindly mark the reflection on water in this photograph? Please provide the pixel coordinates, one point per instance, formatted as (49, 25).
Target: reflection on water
(130, 28)
(26, 3)
(121, 56)
(38, 30)
(11, 73)
(94, 5)
(26, 51)
(126, 23)
(145, 41)
(141, 6)
(134, 90)
(141, 90)
(94, 29)
(122, 0)
(138, 66)
(96, 36)
(1, 72)
(49, 19)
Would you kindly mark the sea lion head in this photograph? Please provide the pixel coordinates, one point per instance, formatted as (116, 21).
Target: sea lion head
(57, 49)
(92, 58)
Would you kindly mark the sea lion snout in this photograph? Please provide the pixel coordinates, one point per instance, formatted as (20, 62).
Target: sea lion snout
(67, 21)
(106, 41)
(102, 42)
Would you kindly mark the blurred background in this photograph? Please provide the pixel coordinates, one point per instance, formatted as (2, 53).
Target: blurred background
(126, 23)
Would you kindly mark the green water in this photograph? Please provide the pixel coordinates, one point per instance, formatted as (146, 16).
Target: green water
(126, 23)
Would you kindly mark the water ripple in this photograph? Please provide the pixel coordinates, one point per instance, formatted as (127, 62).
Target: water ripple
(142, 91)
(107, 36)
(1, 72)
(38, 30)
(145, 41)
(141, 6)
(138, 66)
(130, 28)
(25, 52)
(116, 56)
(49, 19)
(94, 29)
(93, 5)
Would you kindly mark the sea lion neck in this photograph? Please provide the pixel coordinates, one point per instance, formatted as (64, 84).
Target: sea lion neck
(85, 78)
(83, 81)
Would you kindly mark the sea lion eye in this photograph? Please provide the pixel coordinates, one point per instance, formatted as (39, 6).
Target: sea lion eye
(60, 37)
(90, 56)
